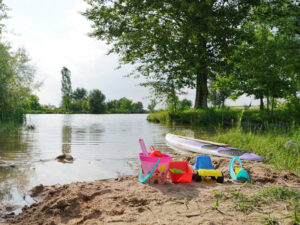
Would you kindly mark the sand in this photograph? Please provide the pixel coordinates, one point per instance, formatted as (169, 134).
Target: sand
(126, 201)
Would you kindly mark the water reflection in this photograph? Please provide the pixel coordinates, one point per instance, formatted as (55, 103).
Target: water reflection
(14, 170)
(66, 139)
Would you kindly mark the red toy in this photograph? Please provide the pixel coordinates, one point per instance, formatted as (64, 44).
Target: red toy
(155, 153)
(185, 177)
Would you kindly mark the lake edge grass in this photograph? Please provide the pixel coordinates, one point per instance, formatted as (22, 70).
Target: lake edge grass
(226, 117)
(261, 137)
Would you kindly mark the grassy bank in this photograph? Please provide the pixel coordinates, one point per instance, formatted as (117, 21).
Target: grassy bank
(216, 117)
(251, 130)
(270, 144)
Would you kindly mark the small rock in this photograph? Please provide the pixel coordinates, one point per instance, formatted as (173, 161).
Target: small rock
(6, 164)
(290, 143)
(66, 157)
(9, 215)
(37, 190)
(10, 208)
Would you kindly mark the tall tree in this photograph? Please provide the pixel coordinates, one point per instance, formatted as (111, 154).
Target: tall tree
(96, 101)
(66, 88)
(177, 41)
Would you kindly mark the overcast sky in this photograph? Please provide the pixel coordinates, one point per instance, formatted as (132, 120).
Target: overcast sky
(55, 35)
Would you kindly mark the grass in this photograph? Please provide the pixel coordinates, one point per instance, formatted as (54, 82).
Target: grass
(269, 142)
(271, 145)
(255, 202)
(270, 220)
(218, 197)
(226, 117)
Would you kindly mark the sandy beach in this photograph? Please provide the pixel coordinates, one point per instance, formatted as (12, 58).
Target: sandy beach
(126, 201)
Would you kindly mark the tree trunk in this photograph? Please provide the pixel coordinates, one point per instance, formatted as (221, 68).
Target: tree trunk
(201, 80)
(272, 109)
(201, 91)
(261, 106)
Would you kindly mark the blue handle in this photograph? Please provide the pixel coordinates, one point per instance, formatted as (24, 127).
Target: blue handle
(143, 180)
(233, 160)
(242, 175)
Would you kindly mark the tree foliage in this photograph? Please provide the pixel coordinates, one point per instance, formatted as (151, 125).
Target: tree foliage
(16, 78)
(137, 107)
(96, 101)
(266, 63)
(152, 105)
(124, 105)
(80, 94)
(172, 42)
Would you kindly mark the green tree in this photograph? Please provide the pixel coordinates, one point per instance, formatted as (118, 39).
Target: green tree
(218, 95)
(80, 94)
(138, 107)
(113, 106)
(79, 106)
(266, 63)
(152, 105)
(185, 104)
(178, 42)
(172, 103)
(16, 82)
(96, 101)
(125, 105)
(66, 88)
(33, 103)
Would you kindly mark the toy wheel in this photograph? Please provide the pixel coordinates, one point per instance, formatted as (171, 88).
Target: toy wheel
(220, 179)
(213, 177)
(196, 177)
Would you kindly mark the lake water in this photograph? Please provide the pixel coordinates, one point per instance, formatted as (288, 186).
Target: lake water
(104, 146)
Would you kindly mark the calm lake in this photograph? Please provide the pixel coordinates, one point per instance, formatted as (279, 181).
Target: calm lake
(104, 146)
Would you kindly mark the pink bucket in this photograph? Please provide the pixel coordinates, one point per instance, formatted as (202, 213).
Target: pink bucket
(160, 174)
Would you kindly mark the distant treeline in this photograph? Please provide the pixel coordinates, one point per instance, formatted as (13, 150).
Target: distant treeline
(82, 102)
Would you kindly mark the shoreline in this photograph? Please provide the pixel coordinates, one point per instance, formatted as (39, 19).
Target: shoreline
(126, 201)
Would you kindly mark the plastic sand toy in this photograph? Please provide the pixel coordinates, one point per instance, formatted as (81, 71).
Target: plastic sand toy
(239, 174)
(204, 168)
(154, 169)
(180, 172)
